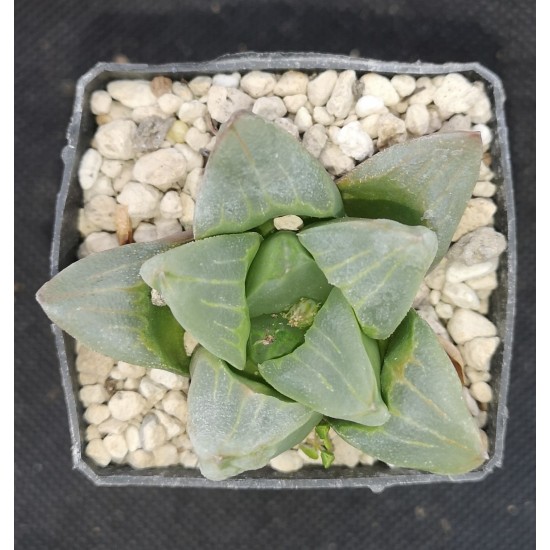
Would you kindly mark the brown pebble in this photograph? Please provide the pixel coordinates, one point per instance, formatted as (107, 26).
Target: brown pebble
(161, 85)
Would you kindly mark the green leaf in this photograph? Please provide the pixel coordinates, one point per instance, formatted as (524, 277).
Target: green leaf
(237, 425)
(425, 181)
(377, 264)
(430, 427)
(283, 272)
(256, 172)
(327, 458)
(103, 302)
(331, 372)
(309, 451)
(204, 285)
(271, 336)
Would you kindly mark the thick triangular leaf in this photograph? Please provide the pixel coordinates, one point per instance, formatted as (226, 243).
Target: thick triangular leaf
(236, 424)
(377, 264)
(425, 181)
(430, 426)
(256, 172)
(103, 302)
(283, 272)
(331, 372)
(203, 283)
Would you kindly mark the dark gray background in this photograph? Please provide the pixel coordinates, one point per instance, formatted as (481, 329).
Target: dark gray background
(55, 508)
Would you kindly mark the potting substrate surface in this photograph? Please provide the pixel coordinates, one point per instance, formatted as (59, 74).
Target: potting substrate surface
(143, 171)
(453, 301)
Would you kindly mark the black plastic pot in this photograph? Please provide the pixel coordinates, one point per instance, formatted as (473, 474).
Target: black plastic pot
(66, 240)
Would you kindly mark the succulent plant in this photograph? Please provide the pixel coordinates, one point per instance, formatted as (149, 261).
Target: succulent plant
(296, 329)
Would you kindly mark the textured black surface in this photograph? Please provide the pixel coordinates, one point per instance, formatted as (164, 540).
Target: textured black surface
(56, 508)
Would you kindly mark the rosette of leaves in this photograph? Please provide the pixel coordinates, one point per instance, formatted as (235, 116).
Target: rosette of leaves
(296, 329)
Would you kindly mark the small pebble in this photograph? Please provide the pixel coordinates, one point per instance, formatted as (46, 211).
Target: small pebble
(115, 139)
(92, 433)
(95, 393)
(295, 102)
(484, 189)
(112, 426)
(443, 310)
(145, 232)
(175, 404)
(132, 93)
(455, 94)
(223, 102)
(355, 142)
(172, 426)
(320, 88)
(170, 205)
(303, 120)
(200, 85)
(125, 405)
(189, 343)
(342, 98)
(193, 182)
(152, 391)
(288, 126)
(258, 83)
(344, 453)
(370, 105)
(96, 414)
(100, 102)
(404, 84)
(170, 103)
(97, 452)
(322, 116)
(479, 351)
(465, 325)
(97, 242)
(90, 361)
(291, 83)
(169, 380)
(89, 168)
(478, 246)
(188, 459)
(315, 139)
(116, 446)
(470, 402)
(417, 119)
(188, 209)
(196, 139)
(140, 459)
(390, 129)
(227, 80)
(289, 461)
(191, 110)
(481, 391)
(460, 295)
(133, 440)
(289, 223)
(165, 455)
(152, 433)
(142, 199)
(458, 271)
(269, 108)
(335, 161)
(380, 86)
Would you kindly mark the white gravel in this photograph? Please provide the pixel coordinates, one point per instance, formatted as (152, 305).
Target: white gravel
(138, 417)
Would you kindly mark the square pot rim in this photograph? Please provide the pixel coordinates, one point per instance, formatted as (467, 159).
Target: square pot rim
(280, 62)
